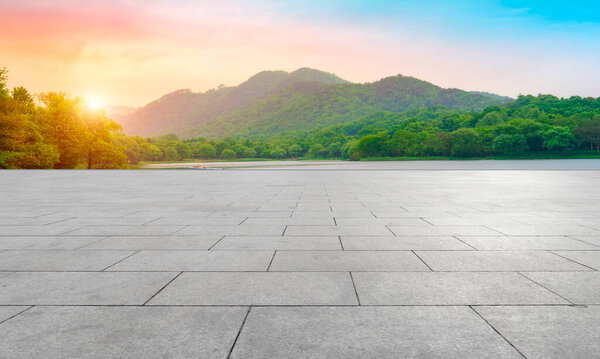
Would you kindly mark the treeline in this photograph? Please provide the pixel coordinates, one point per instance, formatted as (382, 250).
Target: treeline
(56, 131)
(528, 125)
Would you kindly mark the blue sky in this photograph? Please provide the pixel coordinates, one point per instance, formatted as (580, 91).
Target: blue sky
(107, 48)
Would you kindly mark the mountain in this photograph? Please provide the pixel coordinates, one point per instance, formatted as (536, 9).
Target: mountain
(493, 96)
(273, 102)
(119, 111)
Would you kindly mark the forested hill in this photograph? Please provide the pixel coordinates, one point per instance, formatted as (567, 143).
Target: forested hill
(178, 112)
(275, 102)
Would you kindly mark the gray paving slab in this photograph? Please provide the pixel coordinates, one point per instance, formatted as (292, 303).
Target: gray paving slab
(278, 243)
(348, 221)
(595, 240)
(443, 231)
(475, 220)
(121, 332)
(437, 288)
(337, 231)
(268, 288)
(548, 332)
(127, 231)
(347, 261)
(10, 311)
(60, 260)
(369, 332)
(259, 213)
(265, 214)
(154, 243)
(102, 221)
(29, 221)
(249, 230)
(16, 212)
(579, 288)
(526, 243)
(47, 242)
(404, 243)
(545, 230)
(497, 261)
(196, 261)
(198, 221)
(53, 230)
(169, 213)
(296, 221)
(591, 259)
(81, 288)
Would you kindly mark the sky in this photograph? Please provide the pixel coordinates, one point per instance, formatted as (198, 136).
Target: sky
(130, 52)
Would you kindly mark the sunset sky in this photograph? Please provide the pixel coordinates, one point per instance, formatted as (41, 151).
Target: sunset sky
(130, 52)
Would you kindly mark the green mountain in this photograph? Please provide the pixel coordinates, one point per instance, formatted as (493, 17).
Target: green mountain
(273, 102)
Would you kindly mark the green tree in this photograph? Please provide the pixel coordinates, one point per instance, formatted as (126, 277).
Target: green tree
(465, 142)
(184, 150)
(589, 131)
(278, 152)
(371, 145)
(437, 145)
(104, 155)
(402, 143)
(334, 149)
(205, 151)
(64, 126)
(317, 151)
(490, 119)
(558, 138)
(510, 144)
(295, 150)
(228, 154)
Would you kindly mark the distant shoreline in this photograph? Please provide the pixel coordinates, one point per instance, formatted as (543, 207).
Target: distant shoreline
(471, 164)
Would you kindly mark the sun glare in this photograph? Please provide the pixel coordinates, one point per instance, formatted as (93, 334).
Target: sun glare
(94, 103)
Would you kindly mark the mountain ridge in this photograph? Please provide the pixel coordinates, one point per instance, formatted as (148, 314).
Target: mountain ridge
(272, 102)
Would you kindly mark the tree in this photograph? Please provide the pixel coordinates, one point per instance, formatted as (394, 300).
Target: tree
(532, 132)
(510, 144)
(205, 151)
(589, 131)
(184, 150)
(3, 78)
(402, 143)
(220, 146)
(242, 151)
(104, 155)
(371, 145)
(334, 149)
(228, 154)
(558, 138)
(490, 119)
(102, 151)
(63, 124)
(295, 150)
(278, 152)
(437, 144)
(465, 142)
(317, 151)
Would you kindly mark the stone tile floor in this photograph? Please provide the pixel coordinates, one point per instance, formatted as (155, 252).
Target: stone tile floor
(300, 264)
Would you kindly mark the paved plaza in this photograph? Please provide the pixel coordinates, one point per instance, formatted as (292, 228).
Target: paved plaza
(300, 263)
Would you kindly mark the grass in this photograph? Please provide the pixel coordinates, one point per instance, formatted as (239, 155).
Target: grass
(529, 156)
(215, 160)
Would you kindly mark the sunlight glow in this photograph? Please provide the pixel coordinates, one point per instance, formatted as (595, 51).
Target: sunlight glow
(94, 103)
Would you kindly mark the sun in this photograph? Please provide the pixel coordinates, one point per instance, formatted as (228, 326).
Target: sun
(94, 103)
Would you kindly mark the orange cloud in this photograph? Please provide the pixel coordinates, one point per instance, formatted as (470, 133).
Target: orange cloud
(131, 52)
